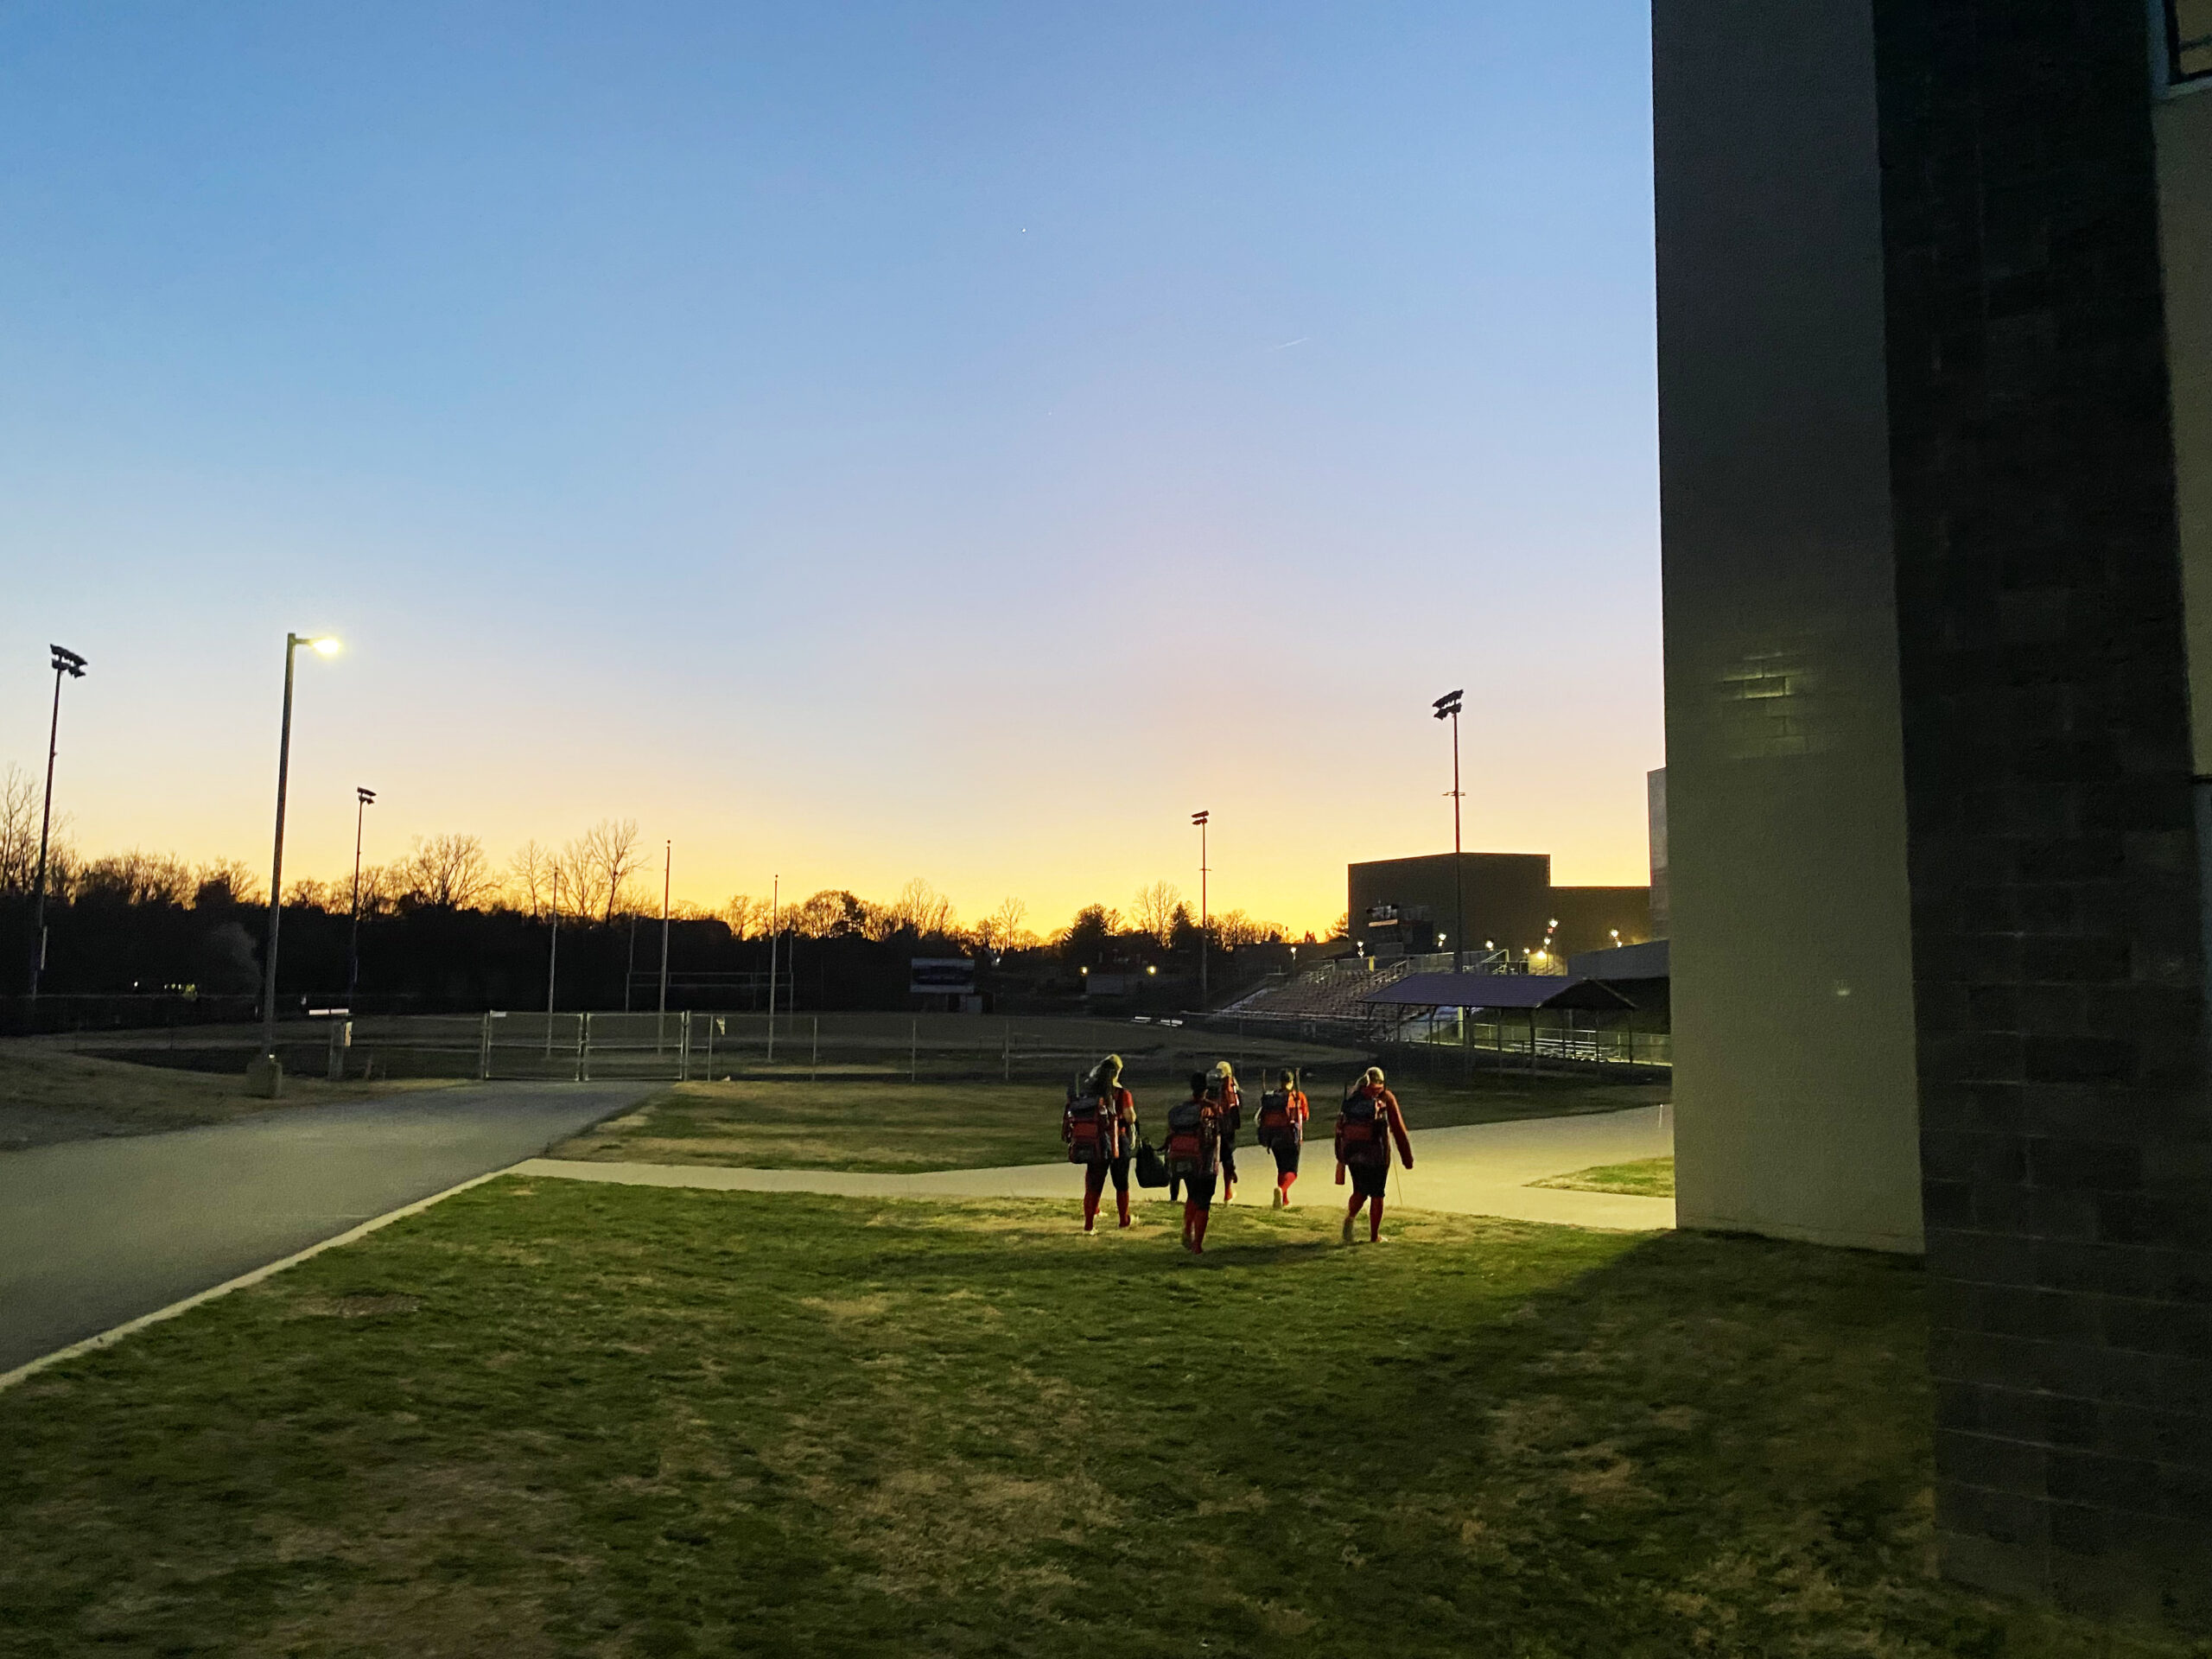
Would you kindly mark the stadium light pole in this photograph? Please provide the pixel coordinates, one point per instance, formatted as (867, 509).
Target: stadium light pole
(1200, 818)
(363, 799)
(266, 1074)
(66, 662)
(1447, 706)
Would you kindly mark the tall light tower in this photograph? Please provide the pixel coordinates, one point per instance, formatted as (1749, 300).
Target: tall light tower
(1447, 706)
(363, 800)
(1199, 818)
(69, 663)
(265, 1075)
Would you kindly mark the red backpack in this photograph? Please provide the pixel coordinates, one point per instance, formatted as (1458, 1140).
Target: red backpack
(1362, 1130)
(1276, 1126)
(1190, 1136)
(1092, 1129)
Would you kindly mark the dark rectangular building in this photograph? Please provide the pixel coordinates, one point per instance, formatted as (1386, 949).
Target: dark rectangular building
(1410, 904)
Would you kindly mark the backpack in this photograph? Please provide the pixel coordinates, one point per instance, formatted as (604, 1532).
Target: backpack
(1275, 1126)
(1362, 1130)
(1092, 1129)
(1190, 1138)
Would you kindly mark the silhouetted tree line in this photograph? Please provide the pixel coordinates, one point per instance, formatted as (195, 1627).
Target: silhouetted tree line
(443, 929)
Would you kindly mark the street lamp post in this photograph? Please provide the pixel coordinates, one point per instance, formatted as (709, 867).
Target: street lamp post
(1447, 706)
(1200, 818)
(69, 663)
(265, 1076)
(363, 799)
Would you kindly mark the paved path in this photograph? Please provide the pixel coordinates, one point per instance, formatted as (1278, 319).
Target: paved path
(1479, 1169)
(96, 1232)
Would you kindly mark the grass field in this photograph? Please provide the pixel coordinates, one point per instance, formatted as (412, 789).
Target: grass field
(48, 1093)
(874, 1123)
(563, 1418)
(1647, 1178)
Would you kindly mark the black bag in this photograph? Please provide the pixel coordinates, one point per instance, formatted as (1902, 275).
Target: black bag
(1152, 1168)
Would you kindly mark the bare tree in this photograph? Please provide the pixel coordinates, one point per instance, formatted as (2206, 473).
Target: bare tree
(604, 861)
(1153, 912)
(449, 871)
(830, 914)
(1002, 926)
(748, 916)
(136, 878)
(1236, 928)
(919, 907)
(307, 893)
(18, 830)
(531, 872)
(224, 881)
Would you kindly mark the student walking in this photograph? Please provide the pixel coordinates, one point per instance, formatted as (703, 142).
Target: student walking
(1366, 1125)
(1228, 1114)
(1194, 1157)
(1100, 1128)
(1281, 1130)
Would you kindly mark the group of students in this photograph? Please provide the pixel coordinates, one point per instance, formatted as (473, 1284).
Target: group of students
(1099, 1125)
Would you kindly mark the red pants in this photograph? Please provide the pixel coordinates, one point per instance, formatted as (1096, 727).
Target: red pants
(1093, 1187)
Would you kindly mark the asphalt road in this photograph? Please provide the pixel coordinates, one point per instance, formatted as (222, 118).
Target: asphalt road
(96, 1232)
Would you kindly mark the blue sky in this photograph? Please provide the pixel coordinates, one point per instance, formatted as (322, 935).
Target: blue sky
(857, 442)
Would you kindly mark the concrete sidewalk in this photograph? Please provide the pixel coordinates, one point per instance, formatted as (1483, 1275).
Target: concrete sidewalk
(1481, 1169)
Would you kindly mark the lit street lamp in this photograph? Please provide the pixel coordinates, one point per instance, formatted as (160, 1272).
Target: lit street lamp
(1447, 706)
(363, 799)
(265, 1076)
(1199, 818)
(64, 662)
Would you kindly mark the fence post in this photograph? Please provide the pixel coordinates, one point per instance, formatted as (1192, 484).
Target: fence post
(714, 1025)
(484, 1051)
(772, 1029)
(584, 1047)
(683, 1049)
(914, 1048)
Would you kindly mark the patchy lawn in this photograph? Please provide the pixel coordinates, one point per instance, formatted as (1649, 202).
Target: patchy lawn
(48, 1093)
(1645, 1178)
(565, 1418)
(877, 1124)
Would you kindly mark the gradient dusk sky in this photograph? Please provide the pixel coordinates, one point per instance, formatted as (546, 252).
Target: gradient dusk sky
(855, 441)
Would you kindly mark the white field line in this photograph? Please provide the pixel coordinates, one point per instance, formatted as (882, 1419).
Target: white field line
(31, 1368)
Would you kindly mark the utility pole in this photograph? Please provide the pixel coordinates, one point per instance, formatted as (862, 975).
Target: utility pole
(363, 799)
(775, 922)
(1204, 993)
(667, 865)
(69, 663)
(1448, 706)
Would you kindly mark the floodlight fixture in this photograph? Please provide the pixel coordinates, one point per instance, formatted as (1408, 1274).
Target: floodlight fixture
(366, 797)
(328, 644)
(66, 662)
(1448, 705)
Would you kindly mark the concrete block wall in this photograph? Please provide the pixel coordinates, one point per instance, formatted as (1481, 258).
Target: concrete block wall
(2066, 1140)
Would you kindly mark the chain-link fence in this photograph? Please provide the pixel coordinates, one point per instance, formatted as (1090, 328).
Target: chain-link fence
(701, 1046)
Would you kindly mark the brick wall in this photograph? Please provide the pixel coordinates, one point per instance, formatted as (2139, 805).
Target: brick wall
(2066, 1140)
